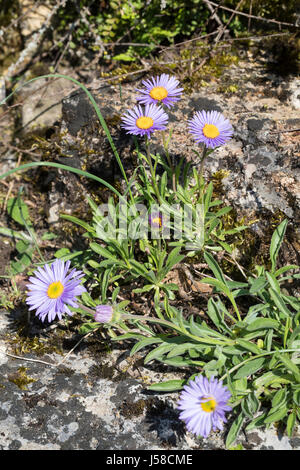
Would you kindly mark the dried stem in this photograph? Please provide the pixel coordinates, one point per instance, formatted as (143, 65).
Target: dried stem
(247, 15)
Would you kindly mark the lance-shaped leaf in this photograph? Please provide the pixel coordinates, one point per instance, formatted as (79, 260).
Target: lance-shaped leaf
(277, 239)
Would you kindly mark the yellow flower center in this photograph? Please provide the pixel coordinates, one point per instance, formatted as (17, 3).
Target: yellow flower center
(209, 405)
(144, 122)
(210, 131)
(55, 290)
(156, 220)
(158, 93)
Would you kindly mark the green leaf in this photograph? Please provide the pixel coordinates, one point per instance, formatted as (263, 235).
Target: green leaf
(278, 300)
(203, 330)
(279, 396)
(225, 289)
(290, 366)
(257, 422)
(128, 336)
(294, 336)
(291, 421)
(79, 222)
(250, 368)
(235, 230)
(174, 258)
(248, 346)
(162, 184)
(296, 397)
(93, 263)
(170, 286)
(285, 268)
(49, 236)
(214, 314)
(216, 311)
(223, 211)
(234, 430)
(62, 252)
(143, 343)
(262, 324)
(180, 361)
(273, 282)
(7, 232)
(218, 284)
(253, 402)
(194, 353)
(146, 288)
(214, 267)
(246, 408)
(207, 197)
(226, 247)
(100, 250)
(257, 285)
(276, 241)
(158, 352)
(179, 349)
(18, 210)
(87, 327)
(23, 263)
(22, 246)
(276, 415)
(168, 386)
(269, 340)
(274, 378)
(141, 270)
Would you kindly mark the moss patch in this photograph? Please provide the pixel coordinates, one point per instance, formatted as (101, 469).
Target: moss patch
(130, 409)
(20, 378)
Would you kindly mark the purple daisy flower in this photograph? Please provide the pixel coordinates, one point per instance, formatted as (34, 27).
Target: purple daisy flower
(210, 128)
(156, 219)
(162, 89)
(103, 313)
(141, 122)
(52, 288)
(204, 403)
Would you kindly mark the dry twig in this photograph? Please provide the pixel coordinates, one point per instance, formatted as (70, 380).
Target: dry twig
(213, 11)
(29, 359)
(222, 31)
(289, 130)
(33, 45)
(247, 15)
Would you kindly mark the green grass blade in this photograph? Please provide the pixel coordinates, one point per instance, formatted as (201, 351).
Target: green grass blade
(62, 167)
(92, 100)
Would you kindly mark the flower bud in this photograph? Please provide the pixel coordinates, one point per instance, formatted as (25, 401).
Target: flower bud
(103, 313)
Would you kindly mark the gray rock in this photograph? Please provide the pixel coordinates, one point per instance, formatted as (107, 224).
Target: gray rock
(78, 111)
(87, 401)
(42, 103)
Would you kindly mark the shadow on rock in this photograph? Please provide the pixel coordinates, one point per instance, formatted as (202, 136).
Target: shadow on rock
(164, 420)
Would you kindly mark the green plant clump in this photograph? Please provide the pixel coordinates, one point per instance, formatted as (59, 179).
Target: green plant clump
(249, 336)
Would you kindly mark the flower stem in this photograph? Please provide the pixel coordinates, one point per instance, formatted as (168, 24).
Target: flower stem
(156, 190)
(173, 326)
(87, 309)
(267, 353)
(204, 154)
(166, 149)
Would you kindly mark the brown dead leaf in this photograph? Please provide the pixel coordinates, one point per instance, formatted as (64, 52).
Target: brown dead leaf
(21, 281)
